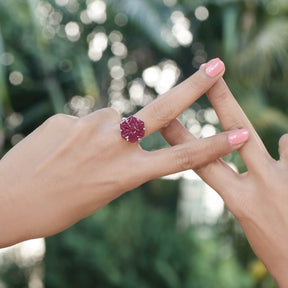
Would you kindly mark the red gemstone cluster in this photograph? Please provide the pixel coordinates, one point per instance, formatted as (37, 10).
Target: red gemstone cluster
(132, 129)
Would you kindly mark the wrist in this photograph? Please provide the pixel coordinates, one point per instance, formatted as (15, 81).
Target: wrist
(278, 270)
(281, 280)
(281, 277)
(4, 209)
(10, 223)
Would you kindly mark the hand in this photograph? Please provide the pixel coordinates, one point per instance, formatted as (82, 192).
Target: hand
(258, 198)
(70, 167)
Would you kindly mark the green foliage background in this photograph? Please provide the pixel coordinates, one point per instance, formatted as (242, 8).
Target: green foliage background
(134, 242)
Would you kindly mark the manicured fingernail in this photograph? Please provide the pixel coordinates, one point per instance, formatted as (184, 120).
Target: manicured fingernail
(238, 137)
(215, 67)
(202, 65)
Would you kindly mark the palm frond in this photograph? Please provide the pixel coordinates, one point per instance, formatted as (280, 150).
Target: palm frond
(267, 50)
(52, 85)
(145, 17)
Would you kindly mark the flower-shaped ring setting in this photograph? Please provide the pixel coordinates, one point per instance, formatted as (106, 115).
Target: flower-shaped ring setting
(132, 129)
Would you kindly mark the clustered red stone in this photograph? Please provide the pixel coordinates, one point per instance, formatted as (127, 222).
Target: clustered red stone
(132, 129)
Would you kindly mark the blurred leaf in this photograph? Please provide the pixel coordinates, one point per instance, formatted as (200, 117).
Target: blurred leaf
(266, 51)
(148, 17)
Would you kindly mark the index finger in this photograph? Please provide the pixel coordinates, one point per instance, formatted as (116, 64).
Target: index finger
(232, 117)
(171, 104)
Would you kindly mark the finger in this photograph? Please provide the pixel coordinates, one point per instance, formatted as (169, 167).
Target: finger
(109, 115)
(216, 173)
(283, 148)
(175, 133)
(194, 154)
(171, 104)
(232, 117)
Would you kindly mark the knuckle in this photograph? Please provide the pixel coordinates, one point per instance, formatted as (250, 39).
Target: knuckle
(184, 158)
(219, 92)
(283, 141)
(84, 124)
(198, 154)
(206, 169)
(162, 112)
(215, 150)
(234, 124)
(110, 113)
(197, 83)
(57, 119)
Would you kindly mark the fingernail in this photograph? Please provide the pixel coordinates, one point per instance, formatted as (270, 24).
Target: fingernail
(238, 137)
(215, 67)
(202, 65)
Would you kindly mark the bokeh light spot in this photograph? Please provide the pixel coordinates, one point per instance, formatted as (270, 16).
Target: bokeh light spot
(167, 36)
(151, 75)
(81, 106)
(121, 19)
(119, 49)
(14, 120)
(114, 61)
(48, 32)
(96, 11)
(118, 84)
(170, 3)
(162, 77)
(62, 2)
(55, 18)
(208, 130)
(183, 35)
(195, 129)
(85, 18)
(168, 78)
(201, 13)
(181, 28)
(97, 46)
(16, 78)
(115, 36)
(44, 9)
(211, 116)
(73, 6)
(117, 72)
(136, 92)
(72, 30)
(130, 67)
(7, 59)
(15, 139)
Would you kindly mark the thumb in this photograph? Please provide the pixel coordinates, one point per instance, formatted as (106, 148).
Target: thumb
(194, 154)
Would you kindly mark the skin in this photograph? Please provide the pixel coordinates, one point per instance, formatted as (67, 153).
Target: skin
(70, 167)
(258, 198)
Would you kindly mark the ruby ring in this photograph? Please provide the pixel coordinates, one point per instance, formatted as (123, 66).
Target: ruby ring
(132, 129)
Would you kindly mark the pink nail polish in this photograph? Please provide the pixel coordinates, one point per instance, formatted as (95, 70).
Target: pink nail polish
(238, 137)
(202, 65)
(215, 67)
